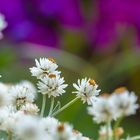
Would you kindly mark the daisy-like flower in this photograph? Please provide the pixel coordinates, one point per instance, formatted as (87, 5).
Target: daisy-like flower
(3, 24)
(44, 66)
(30, 108)
(102, 110)
(21, 95)
(52, 85)
(86, 90)
(124, 102)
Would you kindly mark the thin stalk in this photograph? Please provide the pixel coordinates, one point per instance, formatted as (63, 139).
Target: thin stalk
(107, 130)
(65, 106)
(51, 108)
(135, 137)
(9, 136)
(116, 126)
(43, 105)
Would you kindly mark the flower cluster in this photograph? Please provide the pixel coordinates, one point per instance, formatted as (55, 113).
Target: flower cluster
(3, 24)
(50, 82)
(113, 107)
(21, 118)
(119, 104)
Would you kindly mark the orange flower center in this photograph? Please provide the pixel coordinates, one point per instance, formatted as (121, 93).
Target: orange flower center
(92, 82)
(52, 60)
(120, 90)
(52, 76)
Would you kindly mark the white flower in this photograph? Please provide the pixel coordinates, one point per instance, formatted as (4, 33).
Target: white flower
(86, 90)
(29, 85)
(48, 125)
(4, 97)
(124, 102)
(4, 113)
(64, 131)
(52, 85)
(102, 110)
(27, 128)
(21, 95)
(8, 118)
(30, 108)
(44, 66)
(3, 24)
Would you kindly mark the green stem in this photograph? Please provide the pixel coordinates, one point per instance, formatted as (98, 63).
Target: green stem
(43, 105)
(65, 106)
(107, 130)
(51, 108)
(135, 138)
(116, 126)
(9, 136)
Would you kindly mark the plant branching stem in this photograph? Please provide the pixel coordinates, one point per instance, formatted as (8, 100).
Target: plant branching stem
(65, 106)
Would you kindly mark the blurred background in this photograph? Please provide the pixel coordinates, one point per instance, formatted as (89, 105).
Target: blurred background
(87, 38)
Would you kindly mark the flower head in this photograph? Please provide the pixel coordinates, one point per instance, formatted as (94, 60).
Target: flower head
(102, 110)
(52, 85)
(21, 95)
(27, 84)
(44, 66)
(124, 102)
(86, 90)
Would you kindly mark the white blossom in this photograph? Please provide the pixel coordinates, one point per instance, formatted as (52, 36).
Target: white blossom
(27, 84)
(21, 95)
(86, 90)
(102, 110)
(44, 66)
(8, 118)
(124, 102)
(48, 125)
(52, 85)
(27, 128)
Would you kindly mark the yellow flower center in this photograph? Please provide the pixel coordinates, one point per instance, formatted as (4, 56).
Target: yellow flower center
(120, 90)
(92, 82)
(52, 76)
(52, 60)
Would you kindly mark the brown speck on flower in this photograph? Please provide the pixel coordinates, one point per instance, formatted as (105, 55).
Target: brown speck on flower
(45, 72)
(92, 82)
(52, 75)
(120, 90)
(52, 60)
(60, 128)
